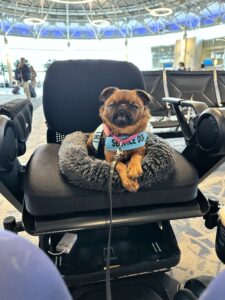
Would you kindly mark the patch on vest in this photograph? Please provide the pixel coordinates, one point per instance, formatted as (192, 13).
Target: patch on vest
(112, 145)
(137, 142)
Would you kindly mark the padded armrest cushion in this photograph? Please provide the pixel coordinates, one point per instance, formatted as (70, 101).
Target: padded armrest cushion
(88, 172)
(20, 113)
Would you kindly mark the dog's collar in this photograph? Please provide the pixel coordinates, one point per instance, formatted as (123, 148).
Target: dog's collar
(124, 142)
(120, 140)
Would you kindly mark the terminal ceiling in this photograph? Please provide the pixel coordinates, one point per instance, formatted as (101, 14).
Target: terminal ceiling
(106, 18)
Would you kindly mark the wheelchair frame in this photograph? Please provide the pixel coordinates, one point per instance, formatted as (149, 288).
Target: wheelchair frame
(130, 222)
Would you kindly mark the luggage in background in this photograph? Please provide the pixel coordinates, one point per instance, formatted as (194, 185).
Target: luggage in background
(16, 90)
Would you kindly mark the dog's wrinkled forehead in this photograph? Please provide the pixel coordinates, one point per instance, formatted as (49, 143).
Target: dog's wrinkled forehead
(115, 94)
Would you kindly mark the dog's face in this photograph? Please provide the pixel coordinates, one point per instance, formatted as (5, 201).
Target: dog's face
(124, 108)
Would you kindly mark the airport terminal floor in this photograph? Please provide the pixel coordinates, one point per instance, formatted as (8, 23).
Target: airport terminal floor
(197, 244)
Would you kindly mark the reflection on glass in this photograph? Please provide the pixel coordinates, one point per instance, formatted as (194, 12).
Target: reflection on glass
(214, 49)
(161, 56)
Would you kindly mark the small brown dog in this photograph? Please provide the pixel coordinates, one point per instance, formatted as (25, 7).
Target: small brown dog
(125, 116)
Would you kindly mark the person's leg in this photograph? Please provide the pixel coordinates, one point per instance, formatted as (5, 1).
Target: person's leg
(26, 272)
(33, 82)
(26, 89)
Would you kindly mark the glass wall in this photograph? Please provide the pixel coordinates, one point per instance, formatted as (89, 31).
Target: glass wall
(214, 49)
(162, 56)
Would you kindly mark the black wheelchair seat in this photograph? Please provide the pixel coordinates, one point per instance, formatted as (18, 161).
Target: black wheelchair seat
(48, 193)
(51, 203)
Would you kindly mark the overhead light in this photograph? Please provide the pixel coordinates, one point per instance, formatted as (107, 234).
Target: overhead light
(100, 23)
(72, 1)
(160, 12)
(34, 21)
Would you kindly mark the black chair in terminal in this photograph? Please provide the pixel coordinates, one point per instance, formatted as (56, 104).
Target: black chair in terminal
(162, 112)
(221, 86)
(143, 241)
(193, 85)
(155, 87)
(203, 86)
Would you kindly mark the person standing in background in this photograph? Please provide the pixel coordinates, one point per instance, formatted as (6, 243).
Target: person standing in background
(17, 76)
(182, 66)
(202, 66)
(33, 76)
(25, 76)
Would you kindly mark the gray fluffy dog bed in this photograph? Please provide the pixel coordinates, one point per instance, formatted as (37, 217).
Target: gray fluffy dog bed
(88, 172)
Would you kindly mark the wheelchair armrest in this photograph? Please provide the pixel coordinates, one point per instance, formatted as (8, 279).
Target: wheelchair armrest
(8, 144)
(177, 103)
(198, 106)
(204, 135)
(172, 100)
(20, 112)
(15, 127)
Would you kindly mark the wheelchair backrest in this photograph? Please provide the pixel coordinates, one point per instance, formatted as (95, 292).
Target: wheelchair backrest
(72, 88)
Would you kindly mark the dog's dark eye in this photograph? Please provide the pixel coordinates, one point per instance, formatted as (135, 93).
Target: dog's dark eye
(134, 106)
(111, 105)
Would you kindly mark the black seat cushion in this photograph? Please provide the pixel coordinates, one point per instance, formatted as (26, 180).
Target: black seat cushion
(48, 193)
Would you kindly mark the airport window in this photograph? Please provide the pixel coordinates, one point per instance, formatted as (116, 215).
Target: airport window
(162, 55)
(215, 49)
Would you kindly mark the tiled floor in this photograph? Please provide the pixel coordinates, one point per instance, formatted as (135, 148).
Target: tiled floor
(195, 241)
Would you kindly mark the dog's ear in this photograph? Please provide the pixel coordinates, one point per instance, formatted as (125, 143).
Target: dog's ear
(145, 97)
(107, 92)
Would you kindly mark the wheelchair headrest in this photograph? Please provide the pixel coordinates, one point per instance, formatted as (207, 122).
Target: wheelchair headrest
(72, 88)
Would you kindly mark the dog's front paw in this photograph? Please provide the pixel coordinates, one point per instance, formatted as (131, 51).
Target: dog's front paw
(131, 185)
(134, 170)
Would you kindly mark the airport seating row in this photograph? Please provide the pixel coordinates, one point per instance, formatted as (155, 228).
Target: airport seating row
(204, 86)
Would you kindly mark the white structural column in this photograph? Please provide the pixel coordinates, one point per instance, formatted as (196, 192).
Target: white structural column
(189, 51)
(6, 58)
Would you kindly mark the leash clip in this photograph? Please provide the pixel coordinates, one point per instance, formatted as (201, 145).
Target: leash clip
(119, 151)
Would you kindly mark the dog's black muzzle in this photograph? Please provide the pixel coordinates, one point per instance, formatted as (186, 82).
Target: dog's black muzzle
(122, 118)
